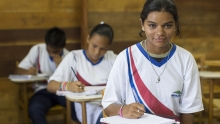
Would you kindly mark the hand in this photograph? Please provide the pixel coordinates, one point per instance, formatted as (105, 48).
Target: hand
(75, 86)
(32, 71)
(134, 110)
(57, 59)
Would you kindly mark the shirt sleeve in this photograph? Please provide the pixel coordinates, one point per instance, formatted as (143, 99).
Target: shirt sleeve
(64, 73)
(115, 88)
(30, 59)
(191, 98)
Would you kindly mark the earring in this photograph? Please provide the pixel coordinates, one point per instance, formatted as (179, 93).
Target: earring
(142, 29)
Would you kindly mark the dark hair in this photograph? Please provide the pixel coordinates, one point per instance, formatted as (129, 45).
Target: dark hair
(103, 30)
(55, 37)
(161, 5)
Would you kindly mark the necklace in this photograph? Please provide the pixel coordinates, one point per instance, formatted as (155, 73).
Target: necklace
(158, 75)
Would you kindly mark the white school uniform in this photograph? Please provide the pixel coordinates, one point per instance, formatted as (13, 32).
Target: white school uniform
(88, 73)
(38, 57)
(133, 74)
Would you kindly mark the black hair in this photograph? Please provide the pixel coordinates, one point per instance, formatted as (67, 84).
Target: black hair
(55, 37)
(103, 30)
(161, 5)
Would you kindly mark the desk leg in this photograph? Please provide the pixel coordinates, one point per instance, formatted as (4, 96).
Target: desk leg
(210, 101)
(25, 102)
(68, 111)
(84, 117)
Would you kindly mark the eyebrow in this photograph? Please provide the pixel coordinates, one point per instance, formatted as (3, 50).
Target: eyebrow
(164, 23)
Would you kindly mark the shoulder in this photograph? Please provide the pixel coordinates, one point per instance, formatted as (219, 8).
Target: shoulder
(183, 52)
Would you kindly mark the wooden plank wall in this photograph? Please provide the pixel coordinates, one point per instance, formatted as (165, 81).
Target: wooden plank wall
(25, 22)
(200, 23)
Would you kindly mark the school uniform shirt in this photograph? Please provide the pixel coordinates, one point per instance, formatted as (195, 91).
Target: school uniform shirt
(134, 78)
(39, 58)
(86, 72)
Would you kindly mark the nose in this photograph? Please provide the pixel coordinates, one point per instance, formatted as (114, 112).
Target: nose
(97, 52)
(160, 31)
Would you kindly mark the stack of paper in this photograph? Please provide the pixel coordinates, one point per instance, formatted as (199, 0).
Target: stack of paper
(145, 119)
(15, 77)
(88, 90)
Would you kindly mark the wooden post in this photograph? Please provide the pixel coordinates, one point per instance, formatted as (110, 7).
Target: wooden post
(84, 24)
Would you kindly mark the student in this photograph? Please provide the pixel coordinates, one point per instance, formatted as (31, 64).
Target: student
(86, 68)
(155, 76)
(44, 58)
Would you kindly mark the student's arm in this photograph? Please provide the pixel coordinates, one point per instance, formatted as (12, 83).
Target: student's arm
(76, 86)
(186, 118)
(128, 111)
(30, 71)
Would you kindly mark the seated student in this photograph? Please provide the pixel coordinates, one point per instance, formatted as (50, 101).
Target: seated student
(44, 58)
(155, 76)
(91, 67)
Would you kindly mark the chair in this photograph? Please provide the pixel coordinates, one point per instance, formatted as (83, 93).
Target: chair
(210, 65)
(103, 112)
(25, 92)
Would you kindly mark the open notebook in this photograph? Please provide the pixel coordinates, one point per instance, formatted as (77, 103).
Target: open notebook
(145, 119)
(89, 90)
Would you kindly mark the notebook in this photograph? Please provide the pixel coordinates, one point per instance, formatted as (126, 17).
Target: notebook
(145, 119)
(88, 90)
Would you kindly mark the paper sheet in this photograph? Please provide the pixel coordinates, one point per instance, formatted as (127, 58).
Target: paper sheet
(145, 119)
(89, 90)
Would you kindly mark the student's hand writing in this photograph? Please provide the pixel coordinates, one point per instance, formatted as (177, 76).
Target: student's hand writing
(57, 59)
(134, 110)
(32, 71)
(75, 87)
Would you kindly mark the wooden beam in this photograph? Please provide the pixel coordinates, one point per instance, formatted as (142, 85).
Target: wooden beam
(84, 24)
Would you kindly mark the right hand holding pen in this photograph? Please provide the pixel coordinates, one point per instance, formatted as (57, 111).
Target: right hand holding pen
(32, 71)
(134, 110)
(76, 86)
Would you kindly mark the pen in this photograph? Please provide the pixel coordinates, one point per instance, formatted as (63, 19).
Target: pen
(76, 78)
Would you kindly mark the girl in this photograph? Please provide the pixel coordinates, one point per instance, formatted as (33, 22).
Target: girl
(92, 67)
(155, 75)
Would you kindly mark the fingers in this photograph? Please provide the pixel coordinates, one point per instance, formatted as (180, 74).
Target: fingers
(32, 71)
(134, 110)
(77, 86)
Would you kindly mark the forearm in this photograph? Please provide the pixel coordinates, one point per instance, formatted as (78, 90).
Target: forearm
(53, 86)
(112, 109)
(21, 71)
(187, 118)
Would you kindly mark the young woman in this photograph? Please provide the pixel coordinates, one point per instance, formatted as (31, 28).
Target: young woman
(155, 76)
(91, 66)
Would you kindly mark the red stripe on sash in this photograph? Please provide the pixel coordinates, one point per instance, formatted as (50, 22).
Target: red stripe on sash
(85, 82)
(153, 103)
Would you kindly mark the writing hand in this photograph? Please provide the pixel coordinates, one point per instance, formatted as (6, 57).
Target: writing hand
(32, 71)
(134, 110)
(75, 86)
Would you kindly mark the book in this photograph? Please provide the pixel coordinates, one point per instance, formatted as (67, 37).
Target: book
(145, 119)
(17, 78)
(88, 90)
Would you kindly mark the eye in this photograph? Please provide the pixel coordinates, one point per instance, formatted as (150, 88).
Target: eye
(168, 26)
(152, 25)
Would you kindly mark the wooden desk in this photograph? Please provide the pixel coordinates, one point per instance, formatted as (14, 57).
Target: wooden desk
(82, 100)
(23, 95)
(211, 76)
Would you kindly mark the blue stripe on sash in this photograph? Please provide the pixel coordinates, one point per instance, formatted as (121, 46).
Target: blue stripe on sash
(132, 84)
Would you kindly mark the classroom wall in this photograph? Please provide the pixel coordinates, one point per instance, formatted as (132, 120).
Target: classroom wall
(24, 24)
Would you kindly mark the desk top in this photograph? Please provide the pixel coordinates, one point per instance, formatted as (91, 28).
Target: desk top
(27, 78)
(210, 74)
(83, 98)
